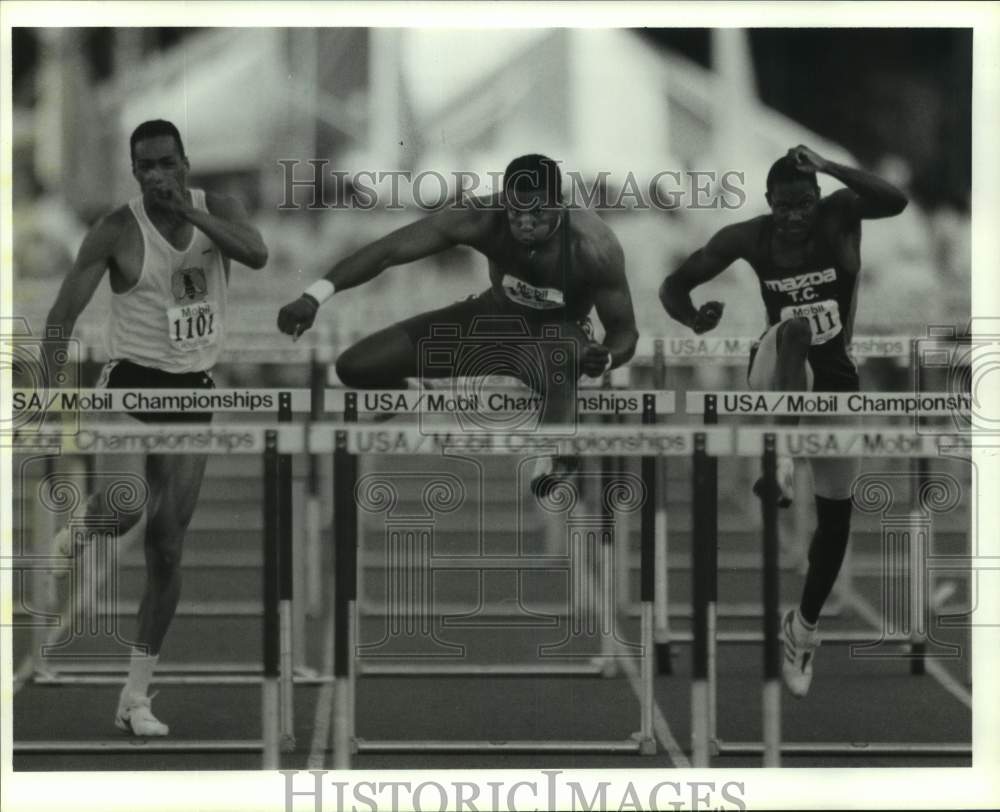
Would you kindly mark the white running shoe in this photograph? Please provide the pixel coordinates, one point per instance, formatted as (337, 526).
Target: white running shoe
(785, 475)
(135, 716)
(800, 646)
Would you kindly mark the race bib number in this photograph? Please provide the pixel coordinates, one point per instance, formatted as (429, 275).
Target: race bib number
(824, 318)
(520, 292)
(192, 327)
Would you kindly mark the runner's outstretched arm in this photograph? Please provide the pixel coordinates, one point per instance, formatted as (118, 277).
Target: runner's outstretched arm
(702, 266)
(428, 236)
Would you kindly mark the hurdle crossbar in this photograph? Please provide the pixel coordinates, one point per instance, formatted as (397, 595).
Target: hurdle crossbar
(484, 746)
(589, 669)
(122, 746)
(173, 679)
(850, 748)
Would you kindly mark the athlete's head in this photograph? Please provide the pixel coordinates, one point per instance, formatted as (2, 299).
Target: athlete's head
(158, 158)
(532, 190)
(793, 196)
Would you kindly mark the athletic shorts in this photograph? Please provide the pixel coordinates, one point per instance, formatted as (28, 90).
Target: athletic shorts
(460, 340)
(123, 374)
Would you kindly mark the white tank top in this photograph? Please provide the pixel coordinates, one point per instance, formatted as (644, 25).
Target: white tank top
(174, 317)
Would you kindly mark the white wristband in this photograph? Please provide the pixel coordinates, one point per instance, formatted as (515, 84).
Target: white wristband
(320, 290)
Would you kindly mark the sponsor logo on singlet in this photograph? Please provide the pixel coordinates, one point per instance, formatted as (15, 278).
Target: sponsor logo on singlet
(520, 292)
(802, 280)
(189, 285)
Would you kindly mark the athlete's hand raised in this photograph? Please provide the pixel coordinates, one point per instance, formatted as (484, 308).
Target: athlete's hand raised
(171, 197)
(806, 159)
(298, 316)
(596, 359)
(708, 318)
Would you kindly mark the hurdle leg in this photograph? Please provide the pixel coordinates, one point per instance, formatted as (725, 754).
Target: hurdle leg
(647, 537)
(343, 496)
(661, 598)
(270, 689)
(314, 512)
(711, 609)
(647, 741)
(300, 569)
(700, 732)
(286, 572)
(608, 560)
(920, 547)
(710, 539)
(345, 539)
(313, 555)
(771, 699)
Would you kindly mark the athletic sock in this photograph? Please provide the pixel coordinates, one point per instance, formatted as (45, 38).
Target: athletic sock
(826, 554)
(140, 673)
(61, 542)
(804, 624)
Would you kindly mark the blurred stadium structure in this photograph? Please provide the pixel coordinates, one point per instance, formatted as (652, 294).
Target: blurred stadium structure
(412, 99)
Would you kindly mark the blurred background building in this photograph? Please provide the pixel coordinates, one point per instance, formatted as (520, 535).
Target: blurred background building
(610, 104)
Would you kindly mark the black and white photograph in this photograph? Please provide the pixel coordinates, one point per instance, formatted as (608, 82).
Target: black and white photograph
(494, 406)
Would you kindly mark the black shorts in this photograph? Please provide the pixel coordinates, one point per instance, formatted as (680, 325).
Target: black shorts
(832, 367)
(465, 339)
(128, 375)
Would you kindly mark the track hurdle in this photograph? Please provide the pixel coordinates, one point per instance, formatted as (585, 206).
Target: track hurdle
(267, 443)
(818, 441)
(277, 404)
(436, 406)
(349, 440)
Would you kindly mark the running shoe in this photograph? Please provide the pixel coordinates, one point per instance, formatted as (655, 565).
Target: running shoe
(135, 716)
(800, 646)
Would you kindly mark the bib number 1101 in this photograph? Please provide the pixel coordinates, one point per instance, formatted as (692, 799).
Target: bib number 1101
(198, 326)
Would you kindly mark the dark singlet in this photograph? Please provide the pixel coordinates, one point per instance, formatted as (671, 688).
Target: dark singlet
(555, 295)
(515, 298)
(819, 290)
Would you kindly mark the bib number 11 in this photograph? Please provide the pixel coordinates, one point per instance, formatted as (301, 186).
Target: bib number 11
(823, 317)
(823, 322)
